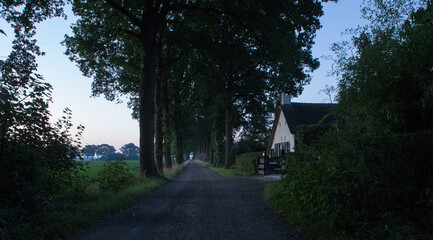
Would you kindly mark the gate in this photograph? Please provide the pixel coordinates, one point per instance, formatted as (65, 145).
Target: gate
(268, 165)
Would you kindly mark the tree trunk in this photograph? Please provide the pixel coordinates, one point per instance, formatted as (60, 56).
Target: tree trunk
(179, 146)
(159, 135)
(178, 134)
(147, 107)
(166, 122)
(217, 160)
(229, 128)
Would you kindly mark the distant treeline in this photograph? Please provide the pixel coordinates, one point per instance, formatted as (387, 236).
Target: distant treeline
(107, 152)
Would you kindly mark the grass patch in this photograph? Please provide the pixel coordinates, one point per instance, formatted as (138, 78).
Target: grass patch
(93, 167)
(231, 172)
(225, 172)
(245, 165)
(97, 203)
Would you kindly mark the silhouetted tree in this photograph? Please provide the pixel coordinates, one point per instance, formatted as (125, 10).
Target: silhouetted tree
(105, 150)
(130, 151)
(89, 151)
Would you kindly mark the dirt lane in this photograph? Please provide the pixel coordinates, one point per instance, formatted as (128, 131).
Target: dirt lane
(199, 204)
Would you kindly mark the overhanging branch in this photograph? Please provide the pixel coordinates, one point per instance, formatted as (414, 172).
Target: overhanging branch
(123, 11)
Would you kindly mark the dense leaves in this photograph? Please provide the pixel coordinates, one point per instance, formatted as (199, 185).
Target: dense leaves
(89, 151)
(114, 175)
(370, 175)
(38, 163)
(196, 64)
(130, 151)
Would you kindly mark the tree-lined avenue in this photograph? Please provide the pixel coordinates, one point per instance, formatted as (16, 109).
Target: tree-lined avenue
(199, 204)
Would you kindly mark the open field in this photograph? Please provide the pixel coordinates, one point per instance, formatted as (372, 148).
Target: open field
(95, 166)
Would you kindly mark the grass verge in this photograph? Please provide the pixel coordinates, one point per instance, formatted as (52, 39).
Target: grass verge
(95, 203)
(231, 172)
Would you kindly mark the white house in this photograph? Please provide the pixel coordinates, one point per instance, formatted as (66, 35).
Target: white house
(287, 117)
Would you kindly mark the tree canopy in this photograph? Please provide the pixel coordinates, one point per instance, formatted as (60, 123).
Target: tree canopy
(130, 151)
(248, 50)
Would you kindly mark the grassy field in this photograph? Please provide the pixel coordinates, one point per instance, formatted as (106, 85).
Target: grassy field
(93, 167)
(98, 203)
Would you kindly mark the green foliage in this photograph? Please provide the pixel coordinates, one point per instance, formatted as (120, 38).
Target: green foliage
(89, 151)
(97, 203)
(231, 172)
(114, 175)
(130, 151)
(246, 163)
(213, 57)
(369, 175)
(38, 165)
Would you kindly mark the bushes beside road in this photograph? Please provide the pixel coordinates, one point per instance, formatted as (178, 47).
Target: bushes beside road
(369, 176)
(106, 187)
(246, 163)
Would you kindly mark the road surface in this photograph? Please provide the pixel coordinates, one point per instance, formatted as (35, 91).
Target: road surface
(198, 204)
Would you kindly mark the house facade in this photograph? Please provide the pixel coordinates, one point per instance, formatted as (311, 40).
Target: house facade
(287, 117)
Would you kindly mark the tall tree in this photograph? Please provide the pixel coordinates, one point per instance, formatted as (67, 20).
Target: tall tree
(241, 38)
(121, 30)
(250, 45)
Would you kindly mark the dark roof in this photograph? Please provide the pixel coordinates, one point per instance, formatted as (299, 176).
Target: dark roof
(306, 113)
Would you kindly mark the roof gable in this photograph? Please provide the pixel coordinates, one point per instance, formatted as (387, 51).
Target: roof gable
(306, 113)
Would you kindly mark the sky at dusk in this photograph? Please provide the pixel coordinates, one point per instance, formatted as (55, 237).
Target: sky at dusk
(111, 123)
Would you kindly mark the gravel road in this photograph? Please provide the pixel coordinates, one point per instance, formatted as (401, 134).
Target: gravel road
(198, 204)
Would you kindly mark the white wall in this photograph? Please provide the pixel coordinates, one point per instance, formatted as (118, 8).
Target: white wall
(282, 133)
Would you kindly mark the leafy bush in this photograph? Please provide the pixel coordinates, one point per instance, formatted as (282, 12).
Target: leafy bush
(114, 175)
(357, 184)
(369, 176)
(246, 163)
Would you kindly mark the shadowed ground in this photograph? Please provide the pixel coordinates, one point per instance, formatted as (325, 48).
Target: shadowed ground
(199, 204)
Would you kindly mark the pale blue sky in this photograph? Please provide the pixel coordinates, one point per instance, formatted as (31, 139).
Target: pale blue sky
(111, 123)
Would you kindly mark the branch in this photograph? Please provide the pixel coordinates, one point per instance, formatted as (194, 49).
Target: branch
(123, 11)
(180, 7)
(208, 10)
(169, 62)
(132, 33)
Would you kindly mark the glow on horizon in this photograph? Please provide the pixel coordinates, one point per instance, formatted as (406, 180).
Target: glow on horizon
(111, 123)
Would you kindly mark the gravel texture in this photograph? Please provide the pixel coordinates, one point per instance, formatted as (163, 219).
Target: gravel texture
(198, 204)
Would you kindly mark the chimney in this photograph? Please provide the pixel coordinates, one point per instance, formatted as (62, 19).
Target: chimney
(285, 98)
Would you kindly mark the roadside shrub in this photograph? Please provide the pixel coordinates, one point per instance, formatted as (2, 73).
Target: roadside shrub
(114, 175)
(370, 175)
(360, 184)
(246, 163)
